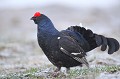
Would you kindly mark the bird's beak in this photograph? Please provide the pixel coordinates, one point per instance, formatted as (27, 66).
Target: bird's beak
(32, 18)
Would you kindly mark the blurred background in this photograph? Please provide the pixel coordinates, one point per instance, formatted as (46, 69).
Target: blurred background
(18, 41)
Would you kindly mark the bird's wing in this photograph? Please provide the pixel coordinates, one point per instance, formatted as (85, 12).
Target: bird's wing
(71, 48)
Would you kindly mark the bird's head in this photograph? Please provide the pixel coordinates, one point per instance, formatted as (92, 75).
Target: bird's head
(42, 21)
(36, 17)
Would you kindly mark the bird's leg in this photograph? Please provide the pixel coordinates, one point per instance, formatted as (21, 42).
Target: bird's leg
(57, 69)
(81, 65)
(67, 70)
(56, 72)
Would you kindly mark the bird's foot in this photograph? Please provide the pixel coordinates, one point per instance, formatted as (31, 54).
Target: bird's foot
(57, 69)
(56, 72)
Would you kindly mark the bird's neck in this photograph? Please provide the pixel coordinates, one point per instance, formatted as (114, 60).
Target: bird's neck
(46, 27)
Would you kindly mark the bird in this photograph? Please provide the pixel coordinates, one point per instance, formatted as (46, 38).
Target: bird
(68, 48)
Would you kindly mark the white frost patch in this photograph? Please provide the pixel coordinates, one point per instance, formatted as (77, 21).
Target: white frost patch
(58, 38)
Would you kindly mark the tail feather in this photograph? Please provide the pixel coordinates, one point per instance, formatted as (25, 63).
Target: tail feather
(117, 46)
(104, 43)
(96, 40)
(113, 45)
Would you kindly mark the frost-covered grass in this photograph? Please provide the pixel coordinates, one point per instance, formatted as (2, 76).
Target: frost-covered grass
(39, 73)
(95, 71)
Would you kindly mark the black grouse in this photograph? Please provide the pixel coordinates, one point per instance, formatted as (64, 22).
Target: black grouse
(68, 48)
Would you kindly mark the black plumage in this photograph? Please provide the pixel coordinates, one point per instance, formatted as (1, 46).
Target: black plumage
(68, 48)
